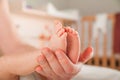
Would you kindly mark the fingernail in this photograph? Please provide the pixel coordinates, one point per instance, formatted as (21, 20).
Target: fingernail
(92, 52)
(90, 49)
(38, 69)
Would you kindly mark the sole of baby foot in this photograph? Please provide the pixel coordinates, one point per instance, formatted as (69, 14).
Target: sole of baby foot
(58, 40)
(73, 44)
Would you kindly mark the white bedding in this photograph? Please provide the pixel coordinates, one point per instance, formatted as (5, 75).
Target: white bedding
(89, 73)
(97, 73)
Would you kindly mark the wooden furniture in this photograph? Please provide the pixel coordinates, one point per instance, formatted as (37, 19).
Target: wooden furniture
(104, 60)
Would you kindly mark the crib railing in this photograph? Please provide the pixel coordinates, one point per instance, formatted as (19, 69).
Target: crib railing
(102, 57)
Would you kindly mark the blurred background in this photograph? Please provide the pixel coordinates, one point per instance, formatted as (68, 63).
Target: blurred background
(97, 21)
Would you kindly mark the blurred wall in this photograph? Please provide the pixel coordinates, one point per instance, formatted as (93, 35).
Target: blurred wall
(60, 4)
(86, 7)
(91, 7)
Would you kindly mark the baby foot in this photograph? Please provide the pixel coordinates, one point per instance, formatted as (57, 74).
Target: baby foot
(73, 44)
(58, 39)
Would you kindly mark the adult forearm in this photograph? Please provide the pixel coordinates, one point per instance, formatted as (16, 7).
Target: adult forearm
(8, 36)
(4, 74)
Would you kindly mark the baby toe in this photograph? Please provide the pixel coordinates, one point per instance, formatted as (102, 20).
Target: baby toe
(60, 32)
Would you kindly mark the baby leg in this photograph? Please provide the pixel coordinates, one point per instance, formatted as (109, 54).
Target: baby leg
(22, 64)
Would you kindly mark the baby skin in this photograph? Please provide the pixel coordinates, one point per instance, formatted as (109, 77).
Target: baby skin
(73, 42)
(58, 39)
(24, 64)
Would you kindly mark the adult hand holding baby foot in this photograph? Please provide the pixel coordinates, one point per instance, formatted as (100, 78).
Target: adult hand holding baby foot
(57, 66)
(54, 64)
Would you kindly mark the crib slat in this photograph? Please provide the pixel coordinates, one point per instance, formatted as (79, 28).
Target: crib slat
(90, 36)
(82, 35)
(112, 55)
(112, 60)
(119, 63)
(96, 56)
(90, 32)
(104, 59)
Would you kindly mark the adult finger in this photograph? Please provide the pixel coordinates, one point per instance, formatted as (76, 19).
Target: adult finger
(65, 62)
(86, 55)
(46, 69)
(53, 62)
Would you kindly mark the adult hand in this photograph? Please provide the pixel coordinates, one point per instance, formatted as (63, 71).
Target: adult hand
(56, 65)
